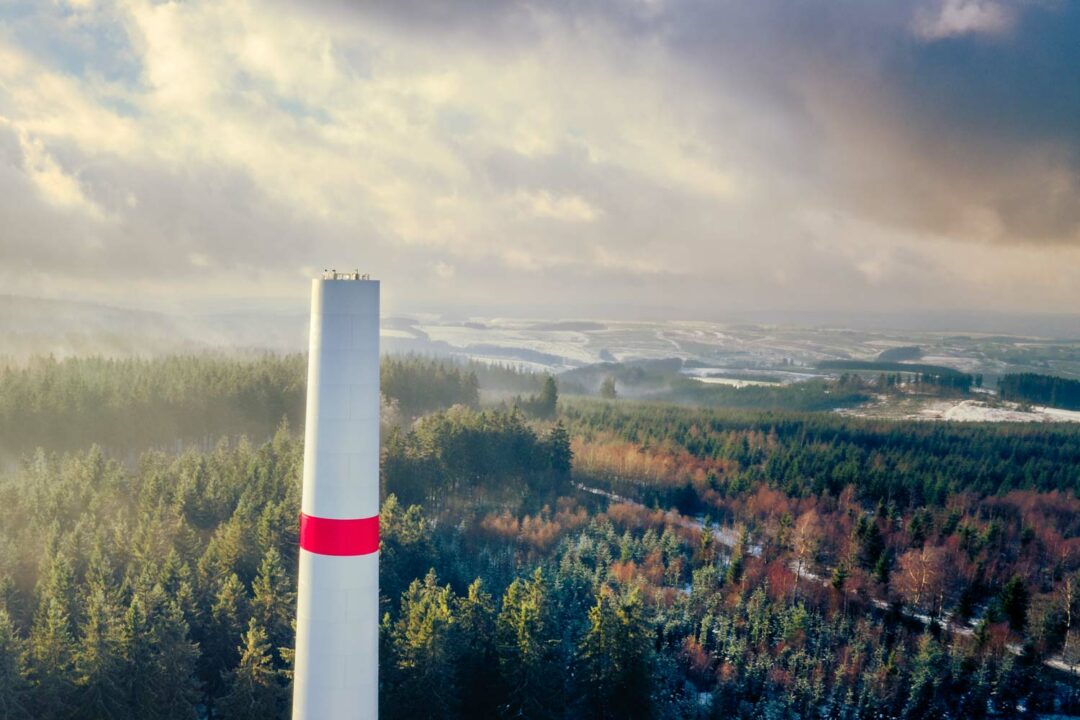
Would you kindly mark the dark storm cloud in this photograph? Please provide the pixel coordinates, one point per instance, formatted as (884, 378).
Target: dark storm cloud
(985, 118)
(1024, 87)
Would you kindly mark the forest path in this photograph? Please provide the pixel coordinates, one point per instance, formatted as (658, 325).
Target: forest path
(729, 538)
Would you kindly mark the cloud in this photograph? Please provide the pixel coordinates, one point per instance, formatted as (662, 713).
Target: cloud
(684, 153)
(953, 18)
(199, 260)
(52, 182)
(444, 270)
(569, 208)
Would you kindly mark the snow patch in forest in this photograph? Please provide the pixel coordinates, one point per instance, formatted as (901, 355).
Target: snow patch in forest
(733, 382)
(959, 411)
(978, 411)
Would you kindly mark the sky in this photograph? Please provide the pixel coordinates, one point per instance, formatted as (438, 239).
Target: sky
(585, 158)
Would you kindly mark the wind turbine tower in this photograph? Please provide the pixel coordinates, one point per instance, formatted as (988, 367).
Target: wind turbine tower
(337, 616)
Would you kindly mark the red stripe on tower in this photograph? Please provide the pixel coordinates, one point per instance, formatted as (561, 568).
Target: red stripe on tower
(329, 536)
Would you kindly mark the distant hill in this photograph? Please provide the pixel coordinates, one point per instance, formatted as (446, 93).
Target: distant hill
(887, 367)
(569, 326)
(63, 328)
(900, 354)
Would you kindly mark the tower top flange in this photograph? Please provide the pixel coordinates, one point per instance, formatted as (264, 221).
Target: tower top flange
(333, 274)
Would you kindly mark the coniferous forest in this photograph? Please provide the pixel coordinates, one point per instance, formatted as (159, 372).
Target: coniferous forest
(541, 557)
(1041, 390)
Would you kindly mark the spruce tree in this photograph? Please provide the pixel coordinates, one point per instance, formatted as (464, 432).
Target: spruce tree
(13, 685)
(529, 637)
(255, 688)
(925, 697)
(1014, 600)
(98, 663)
(475, 655)
(174, 660)
(560, 456)
(426, 686)
(547, 401)
(52, 660)
(219, 653)
(137, 657)
(274, 603)
(159, 659)
(616, 658)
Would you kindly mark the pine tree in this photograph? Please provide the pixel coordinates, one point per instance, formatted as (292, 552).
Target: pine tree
(838, 581)
(255, 688)
(547, 401)
(57, 584)
(51, 660)
(475, 654)
(159, 659)
(274, 603)
(13, 685)
(927, 676)
(616, 658)
(882, 568)
(870, 542)
(1014, 600)
(529, 637)
(175, 657)
(219, 653)
(98, 664)
(426, 686)
(137, 657)
(736, 564)
(560, 455)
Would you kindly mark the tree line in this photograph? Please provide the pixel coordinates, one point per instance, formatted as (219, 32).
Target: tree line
(420, 385)
(908, 464)
(1037, 389)
(128, 405)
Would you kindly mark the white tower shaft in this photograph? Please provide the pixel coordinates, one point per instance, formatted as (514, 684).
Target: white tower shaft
(337, 617)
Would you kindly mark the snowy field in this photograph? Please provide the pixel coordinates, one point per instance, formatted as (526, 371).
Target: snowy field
(978, 411)
(958, 411)
(790, 353)
(733, 382)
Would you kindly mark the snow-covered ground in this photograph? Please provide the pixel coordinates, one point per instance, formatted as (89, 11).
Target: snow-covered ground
(957, 362)
(979, 411)
(570, 346)
(393, 333)
(733, 354)
(742, 377)
(959, 411)
(733, 382)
